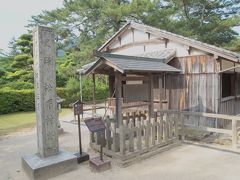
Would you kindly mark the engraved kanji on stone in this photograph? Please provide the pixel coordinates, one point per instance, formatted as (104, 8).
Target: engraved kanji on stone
(47, 87)
(48, 60)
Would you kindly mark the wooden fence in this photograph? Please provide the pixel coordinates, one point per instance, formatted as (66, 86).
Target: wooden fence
(224, 124)
(138, 135)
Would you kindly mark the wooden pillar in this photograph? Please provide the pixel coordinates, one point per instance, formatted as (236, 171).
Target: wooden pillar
(111, 85)
(94, 92)
(234, 134)
(151, 105)
(160, 90)
(118, 109)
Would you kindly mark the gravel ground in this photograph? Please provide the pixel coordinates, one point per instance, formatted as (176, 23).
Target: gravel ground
(181, 163)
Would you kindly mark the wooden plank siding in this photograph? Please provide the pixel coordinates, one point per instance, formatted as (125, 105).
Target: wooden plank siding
(197, 88)
(231, 105)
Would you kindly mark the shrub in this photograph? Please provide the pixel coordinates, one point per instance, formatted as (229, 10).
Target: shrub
(16, 100)
(13, 98)
(23, 100)
(19, 85)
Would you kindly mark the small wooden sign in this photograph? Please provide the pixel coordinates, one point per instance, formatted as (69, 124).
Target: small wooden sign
(78, 108)
(95, 124)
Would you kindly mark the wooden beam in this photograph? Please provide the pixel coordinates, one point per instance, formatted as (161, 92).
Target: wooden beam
(151, 104)
(228, 69)
(166, 41)
(133, 38)
(208, 129)
(138, 43)
(118, 88)
(234, 134)
(106, 55)
(105, 61)
(160, 89)
(180, 39)
(94, 90)
(133, 78)
(111, 85)
(116, 35)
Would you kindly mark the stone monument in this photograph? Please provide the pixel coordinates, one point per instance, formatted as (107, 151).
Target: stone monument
(49, 161)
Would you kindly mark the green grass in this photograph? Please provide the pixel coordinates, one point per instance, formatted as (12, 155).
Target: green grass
(17, 121)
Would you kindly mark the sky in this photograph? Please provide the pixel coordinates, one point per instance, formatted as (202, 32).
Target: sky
(14, 16)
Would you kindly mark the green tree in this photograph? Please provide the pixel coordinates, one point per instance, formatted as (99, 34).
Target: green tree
(22, 61)
(210, 21)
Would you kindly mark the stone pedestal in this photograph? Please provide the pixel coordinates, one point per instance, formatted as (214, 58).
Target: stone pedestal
(48, 161)
(98, 165)
(43, 168)
(82, 157)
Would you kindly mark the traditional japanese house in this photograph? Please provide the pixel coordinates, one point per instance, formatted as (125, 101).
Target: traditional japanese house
(153, 68)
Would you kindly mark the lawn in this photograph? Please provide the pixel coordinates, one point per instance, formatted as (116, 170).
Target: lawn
(17, 121)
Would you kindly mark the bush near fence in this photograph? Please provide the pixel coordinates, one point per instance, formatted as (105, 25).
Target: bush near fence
(23, 100)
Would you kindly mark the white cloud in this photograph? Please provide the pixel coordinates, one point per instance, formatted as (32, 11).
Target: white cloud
(14, 15)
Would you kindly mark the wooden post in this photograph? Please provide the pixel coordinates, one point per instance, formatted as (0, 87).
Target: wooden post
(118, 111)
(234, 134)
(111, 85)
(131, 137)
(108, 133)
(182, 127)
(160, 91)
(176, 119)
(151, 105)
(94, 90)
(118, 87)
(122, 139)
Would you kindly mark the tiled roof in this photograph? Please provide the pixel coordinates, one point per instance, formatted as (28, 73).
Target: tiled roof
(130, 63)
(167, 54)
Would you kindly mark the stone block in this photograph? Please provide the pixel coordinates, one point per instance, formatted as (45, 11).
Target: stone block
(98, 165)
(43, 168)
(82, 157)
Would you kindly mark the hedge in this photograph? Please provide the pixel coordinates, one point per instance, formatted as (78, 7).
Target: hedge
(16, 100)
(23, 100)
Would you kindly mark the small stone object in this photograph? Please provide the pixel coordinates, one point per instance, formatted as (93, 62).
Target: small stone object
(98, 165)
(82, 157)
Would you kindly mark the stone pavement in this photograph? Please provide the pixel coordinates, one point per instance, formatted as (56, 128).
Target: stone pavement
(186, 162)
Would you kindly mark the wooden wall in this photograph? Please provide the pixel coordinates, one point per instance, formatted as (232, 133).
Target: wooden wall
(197, 88)
(231, 105)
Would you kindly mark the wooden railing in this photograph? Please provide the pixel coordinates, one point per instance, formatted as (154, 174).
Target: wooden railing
(223, 124)
(138, 135)
(112, 104)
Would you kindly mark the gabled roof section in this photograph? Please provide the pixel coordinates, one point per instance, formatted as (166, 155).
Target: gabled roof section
(167, 54)
(125, 64)
(216, 51)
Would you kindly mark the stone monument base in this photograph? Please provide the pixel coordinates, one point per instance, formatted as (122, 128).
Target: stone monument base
(43, 168)
(98, 165)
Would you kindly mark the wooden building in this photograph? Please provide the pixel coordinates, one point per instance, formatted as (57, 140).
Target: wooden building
(209, 77)
(149, 67)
